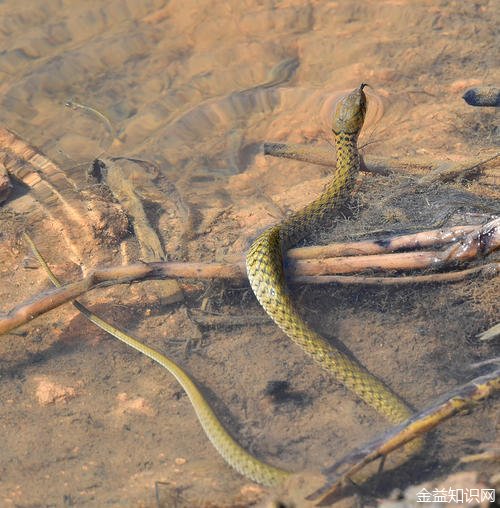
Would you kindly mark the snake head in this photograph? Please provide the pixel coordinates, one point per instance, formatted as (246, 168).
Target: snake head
(350, 112)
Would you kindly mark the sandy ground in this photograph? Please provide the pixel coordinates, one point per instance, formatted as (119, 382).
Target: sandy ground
(189, 86)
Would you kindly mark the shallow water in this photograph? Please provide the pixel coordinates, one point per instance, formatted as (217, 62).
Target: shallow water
(195, 88)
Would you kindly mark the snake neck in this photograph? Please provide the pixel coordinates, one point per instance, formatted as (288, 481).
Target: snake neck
(320, 211)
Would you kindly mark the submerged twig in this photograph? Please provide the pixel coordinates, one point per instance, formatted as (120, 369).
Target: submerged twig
(443, 171)
(325, 156)
(205, 318)
(488, 270)
(126, 274)
(75, 106)
(490, 452)
(97, 278)
(444, 408)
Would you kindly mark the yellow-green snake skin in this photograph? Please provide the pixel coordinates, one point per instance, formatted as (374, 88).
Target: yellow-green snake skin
(266, 274)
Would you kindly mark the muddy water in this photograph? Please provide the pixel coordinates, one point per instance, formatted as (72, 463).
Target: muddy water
(194, 88)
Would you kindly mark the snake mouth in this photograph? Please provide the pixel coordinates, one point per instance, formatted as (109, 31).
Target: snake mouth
(350, 113)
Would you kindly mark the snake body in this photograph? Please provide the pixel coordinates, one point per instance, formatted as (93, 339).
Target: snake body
(267, 277)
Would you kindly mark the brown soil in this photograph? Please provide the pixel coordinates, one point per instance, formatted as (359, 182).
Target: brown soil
(187, 86)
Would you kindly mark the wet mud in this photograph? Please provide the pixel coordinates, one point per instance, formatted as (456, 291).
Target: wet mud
(192, 90)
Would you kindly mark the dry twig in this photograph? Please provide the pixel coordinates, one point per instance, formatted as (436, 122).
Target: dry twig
(420, 240)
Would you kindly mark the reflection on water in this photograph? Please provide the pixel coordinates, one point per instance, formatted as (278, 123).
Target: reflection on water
(194, 88)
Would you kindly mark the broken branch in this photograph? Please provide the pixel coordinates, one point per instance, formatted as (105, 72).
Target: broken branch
(476, 244)
(444, 408)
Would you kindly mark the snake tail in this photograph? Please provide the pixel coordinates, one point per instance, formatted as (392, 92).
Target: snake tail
(235, 455)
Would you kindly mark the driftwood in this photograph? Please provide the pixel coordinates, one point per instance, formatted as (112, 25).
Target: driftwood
(50, 190)
(476, 244)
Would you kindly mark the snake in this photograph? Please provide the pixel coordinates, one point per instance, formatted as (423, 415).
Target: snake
(266, 273)
(265, 269)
